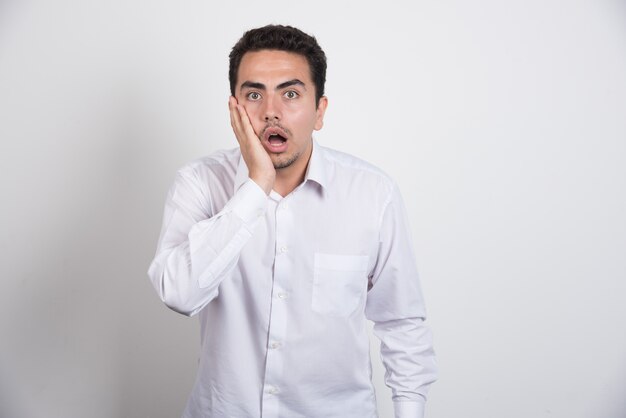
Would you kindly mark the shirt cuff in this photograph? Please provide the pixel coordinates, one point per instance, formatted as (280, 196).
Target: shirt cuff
(249, 202)
(408, 409)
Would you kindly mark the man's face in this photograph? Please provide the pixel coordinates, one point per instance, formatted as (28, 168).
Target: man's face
(277, 91)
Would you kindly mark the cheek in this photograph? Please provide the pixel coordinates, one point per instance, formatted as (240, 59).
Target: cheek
(303, 120)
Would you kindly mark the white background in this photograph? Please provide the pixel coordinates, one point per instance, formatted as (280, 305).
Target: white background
(503, 122)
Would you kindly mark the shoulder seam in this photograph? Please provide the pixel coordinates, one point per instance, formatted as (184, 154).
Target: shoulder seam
(358, 164)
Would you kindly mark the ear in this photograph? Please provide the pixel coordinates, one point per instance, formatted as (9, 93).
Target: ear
(321, 109)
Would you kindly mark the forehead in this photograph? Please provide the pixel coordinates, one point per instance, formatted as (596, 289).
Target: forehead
(273, 67)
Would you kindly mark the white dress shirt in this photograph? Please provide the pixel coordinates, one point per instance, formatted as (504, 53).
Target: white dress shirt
(284, 286)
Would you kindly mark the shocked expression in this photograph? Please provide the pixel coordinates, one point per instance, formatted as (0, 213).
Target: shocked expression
(277, 91)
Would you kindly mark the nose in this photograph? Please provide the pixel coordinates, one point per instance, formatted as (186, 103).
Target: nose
(272, 110)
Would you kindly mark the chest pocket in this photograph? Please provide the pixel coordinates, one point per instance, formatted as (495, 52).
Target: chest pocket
(339, 283)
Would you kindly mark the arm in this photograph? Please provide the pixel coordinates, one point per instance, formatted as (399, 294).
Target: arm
(197, 249)
(195, 252)
(396, 306)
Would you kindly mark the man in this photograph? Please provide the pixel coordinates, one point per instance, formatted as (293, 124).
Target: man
(284, 248)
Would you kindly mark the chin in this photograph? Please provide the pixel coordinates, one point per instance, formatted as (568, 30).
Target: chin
(285, 162)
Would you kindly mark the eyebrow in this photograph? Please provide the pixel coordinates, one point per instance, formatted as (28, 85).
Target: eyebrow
(294, 82)
(261, 86)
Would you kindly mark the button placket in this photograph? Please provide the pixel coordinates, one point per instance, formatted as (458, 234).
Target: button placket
(282, 274)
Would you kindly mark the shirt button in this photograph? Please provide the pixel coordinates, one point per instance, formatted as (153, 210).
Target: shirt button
(283, 249)
(282, 295)
(272, 390)
(275, 345)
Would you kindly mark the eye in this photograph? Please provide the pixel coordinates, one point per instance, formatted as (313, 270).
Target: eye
(291, 94)
(253, 95)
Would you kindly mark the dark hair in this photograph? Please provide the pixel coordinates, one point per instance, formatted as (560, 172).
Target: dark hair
(282, 38)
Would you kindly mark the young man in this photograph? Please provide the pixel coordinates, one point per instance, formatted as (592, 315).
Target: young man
(285, 248)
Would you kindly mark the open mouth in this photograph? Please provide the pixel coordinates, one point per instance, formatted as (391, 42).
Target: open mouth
(275, 139)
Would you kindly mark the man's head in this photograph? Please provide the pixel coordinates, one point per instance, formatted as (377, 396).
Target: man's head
(281, 38)
(277, 74)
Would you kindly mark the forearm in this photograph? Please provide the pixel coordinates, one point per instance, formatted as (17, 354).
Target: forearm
(407, 353)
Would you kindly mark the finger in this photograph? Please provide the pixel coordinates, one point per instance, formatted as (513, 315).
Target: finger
(234, 114)
(235, 120)
(230, 112)
(245, 123)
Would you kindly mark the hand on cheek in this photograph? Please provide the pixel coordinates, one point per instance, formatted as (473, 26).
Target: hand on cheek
(260, 166)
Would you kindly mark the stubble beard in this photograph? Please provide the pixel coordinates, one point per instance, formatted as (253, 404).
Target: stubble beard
(281, 163)
(286, 163)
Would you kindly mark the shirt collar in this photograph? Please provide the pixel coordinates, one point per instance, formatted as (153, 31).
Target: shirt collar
(317, 168)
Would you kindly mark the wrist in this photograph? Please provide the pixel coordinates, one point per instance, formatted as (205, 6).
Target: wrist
(265, 182)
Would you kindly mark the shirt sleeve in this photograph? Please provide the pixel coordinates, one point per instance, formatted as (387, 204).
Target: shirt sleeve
(197, 250)
(395, 304)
